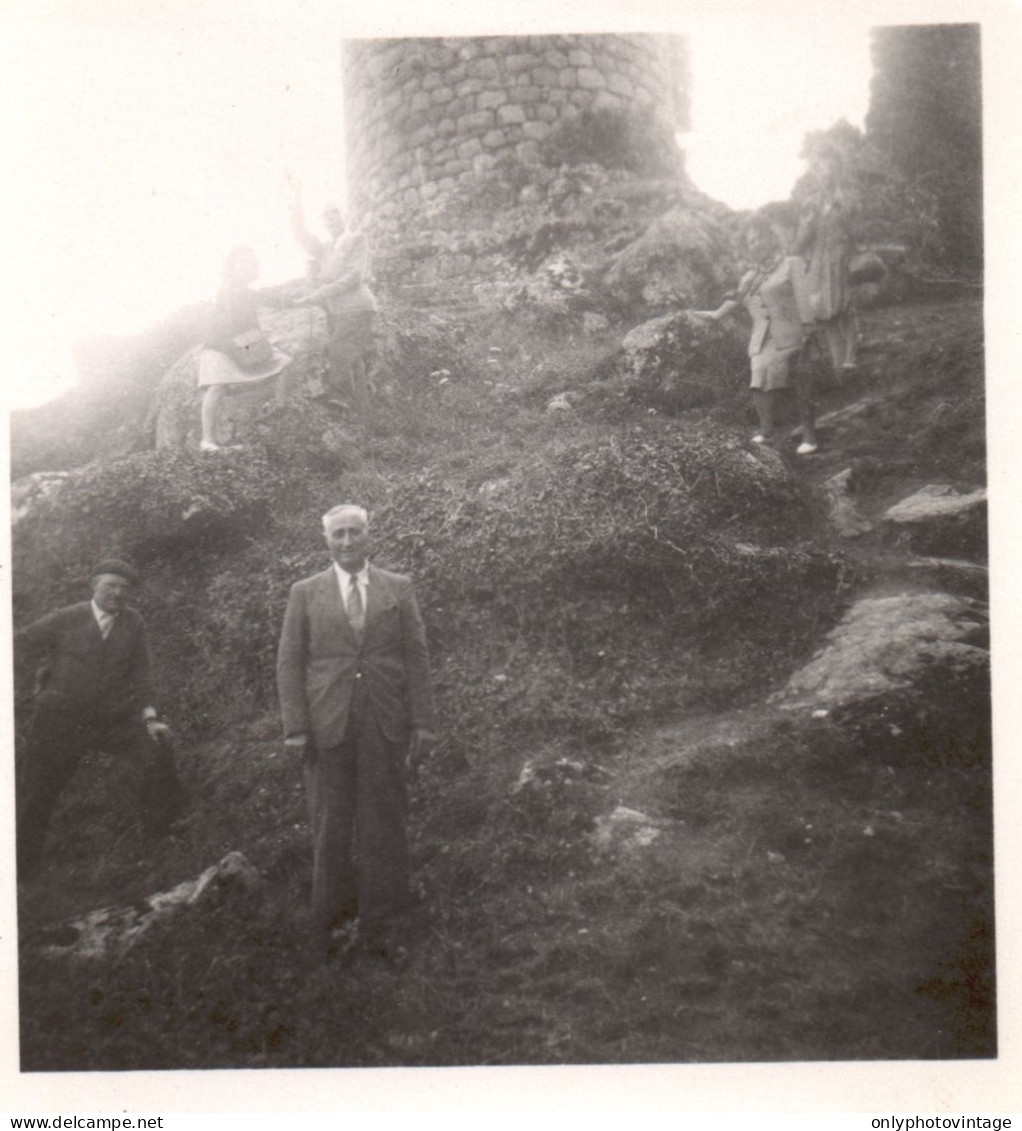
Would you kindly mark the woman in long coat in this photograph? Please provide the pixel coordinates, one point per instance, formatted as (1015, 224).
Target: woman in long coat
(825, 242)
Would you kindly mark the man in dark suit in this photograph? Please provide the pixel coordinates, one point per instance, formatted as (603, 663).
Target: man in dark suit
(356, 699)
(94, 692)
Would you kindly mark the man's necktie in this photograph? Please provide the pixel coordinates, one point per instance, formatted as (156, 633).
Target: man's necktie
(356, 610)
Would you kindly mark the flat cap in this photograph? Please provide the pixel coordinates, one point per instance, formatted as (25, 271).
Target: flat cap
(114, 565)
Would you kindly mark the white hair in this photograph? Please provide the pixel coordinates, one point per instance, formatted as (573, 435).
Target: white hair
(344, 510)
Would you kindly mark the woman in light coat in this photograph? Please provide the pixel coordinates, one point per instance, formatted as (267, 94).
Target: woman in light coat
(768, 292)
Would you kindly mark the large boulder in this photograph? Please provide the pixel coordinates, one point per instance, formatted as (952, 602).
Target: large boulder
(940, 520)
(668, 365)
(682, 259)
(912, 664)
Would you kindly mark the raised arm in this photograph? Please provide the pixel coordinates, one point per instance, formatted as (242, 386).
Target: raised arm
(306, 240)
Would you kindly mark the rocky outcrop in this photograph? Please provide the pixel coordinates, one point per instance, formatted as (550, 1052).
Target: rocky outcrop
(111, 932)
(914, 666)
(844, 515)
(678, 261)
(31, 490)
(626, 831)
(939, 520)
(887, 644)
(666, 365)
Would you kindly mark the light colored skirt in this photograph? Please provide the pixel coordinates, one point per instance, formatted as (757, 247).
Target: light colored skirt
(772, 368)
(216, 368)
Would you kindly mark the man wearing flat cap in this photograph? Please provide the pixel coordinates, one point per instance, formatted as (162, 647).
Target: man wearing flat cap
(357, 701)
(93, 692)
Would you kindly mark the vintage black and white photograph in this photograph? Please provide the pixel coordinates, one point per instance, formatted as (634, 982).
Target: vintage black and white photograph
(498, 539)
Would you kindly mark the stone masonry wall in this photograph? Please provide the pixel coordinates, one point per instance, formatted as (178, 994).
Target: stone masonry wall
(424, 115)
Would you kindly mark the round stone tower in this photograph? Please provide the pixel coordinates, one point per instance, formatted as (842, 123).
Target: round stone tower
(423, 116)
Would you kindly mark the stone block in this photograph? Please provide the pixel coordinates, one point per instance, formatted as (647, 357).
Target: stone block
(544, 76)
(568, 78)
(528, 94)
(510, 115)
(410, 197)
(513, 134)
(580, 59)
(447, 184)
(421, 136)
(442, 95)
(537, 131)
(468, 87)
(583, 98)
(468, 149)
(439, 57)
(643, 97)
(420, 101)
(556, 97)
(606, 101)
(491, 99)
(546, 113)
(590, 79)
(528, 152)
(620, 85)
(456, 168)
(446, 127)
(483, 162)
(516, 64)
(429, 190)
(431, 81)
(493, 139)
(555, 59)
(485, 68)
(476, 122)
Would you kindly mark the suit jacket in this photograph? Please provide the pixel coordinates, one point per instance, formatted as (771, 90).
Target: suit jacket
(320, 659)
(81, 671)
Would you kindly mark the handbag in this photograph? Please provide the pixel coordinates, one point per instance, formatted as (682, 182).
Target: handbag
(252, 349)
(866, 267)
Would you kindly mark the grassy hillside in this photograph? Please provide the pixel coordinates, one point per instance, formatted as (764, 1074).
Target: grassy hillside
(609, 596)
